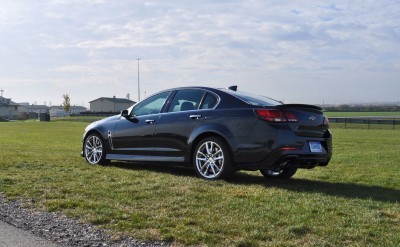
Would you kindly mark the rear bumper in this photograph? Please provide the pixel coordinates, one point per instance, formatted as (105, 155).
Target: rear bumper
(298, 155)
(289, 160)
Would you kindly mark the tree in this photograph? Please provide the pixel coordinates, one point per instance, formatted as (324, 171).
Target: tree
(66, 103)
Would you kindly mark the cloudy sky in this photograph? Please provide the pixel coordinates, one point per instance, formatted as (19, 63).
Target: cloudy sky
(298, 51)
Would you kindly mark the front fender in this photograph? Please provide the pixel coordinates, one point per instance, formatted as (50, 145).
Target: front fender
(101, 127)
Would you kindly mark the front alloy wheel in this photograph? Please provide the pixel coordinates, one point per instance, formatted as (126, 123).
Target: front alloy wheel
(94, 149)
(211, 159)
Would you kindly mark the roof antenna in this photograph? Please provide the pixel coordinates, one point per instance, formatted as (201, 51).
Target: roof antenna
(233, 88)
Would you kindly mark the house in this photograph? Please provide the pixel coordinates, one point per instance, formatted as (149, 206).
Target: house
(77, 109)
(8, 108)
(114, 104)
(58, 111)
(27, 111)
(20, 111)
(16, 111)
(36, 108)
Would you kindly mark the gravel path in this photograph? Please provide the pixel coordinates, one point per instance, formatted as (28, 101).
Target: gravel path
(12, 236)
(61, 230)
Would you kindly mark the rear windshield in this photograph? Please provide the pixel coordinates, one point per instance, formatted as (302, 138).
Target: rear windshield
(253, 99)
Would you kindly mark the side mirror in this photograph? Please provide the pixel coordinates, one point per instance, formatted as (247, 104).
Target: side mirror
(125, 113)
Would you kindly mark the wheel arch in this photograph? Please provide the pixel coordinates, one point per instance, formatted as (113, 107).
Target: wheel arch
(96, 131)
(204, 135)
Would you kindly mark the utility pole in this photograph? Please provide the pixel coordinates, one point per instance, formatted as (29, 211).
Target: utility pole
(1, 90)
(138, 79)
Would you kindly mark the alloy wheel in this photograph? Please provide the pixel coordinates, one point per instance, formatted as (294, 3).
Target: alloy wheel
(93, 149)
(210, 160)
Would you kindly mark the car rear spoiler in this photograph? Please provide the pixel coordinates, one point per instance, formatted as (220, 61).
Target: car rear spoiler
(299, 106)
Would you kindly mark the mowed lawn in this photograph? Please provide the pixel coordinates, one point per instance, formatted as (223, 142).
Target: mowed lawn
(352, 202)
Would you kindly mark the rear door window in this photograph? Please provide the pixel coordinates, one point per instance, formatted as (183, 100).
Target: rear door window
(209, 101)
(186, 100)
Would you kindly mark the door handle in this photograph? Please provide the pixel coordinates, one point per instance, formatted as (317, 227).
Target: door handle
(149, 121)
(195, 116)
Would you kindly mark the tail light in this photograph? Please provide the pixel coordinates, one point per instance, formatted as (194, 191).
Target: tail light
(276, 116)
(291, 117)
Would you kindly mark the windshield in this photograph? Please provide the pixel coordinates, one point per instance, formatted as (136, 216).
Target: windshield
(253, 99)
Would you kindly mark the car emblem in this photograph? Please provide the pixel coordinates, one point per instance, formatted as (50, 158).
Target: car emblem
(312, 118)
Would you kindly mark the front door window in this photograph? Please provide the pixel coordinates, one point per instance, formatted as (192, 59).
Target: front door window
(152, 105)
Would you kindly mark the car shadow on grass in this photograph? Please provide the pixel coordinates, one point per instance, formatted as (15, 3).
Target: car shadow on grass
(176, 170)
(345, 190)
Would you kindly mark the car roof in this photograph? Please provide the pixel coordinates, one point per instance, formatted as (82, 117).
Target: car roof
(231, 98)
(212, 89)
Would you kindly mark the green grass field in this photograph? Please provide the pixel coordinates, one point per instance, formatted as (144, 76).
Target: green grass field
(352, 202)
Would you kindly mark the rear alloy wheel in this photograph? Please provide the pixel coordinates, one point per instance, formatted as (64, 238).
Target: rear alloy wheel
(211, 159)
(283, 173)
(95, 150)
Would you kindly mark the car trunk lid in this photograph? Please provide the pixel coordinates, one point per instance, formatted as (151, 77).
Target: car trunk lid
(310, 120)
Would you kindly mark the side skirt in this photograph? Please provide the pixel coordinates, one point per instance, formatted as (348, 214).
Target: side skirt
(126, 157)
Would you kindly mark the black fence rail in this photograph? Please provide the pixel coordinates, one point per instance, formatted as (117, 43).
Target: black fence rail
(365, 122)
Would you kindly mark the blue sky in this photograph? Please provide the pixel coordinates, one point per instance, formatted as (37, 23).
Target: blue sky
(298, 51)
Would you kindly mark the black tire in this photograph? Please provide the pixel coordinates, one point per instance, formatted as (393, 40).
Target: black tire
(212, 160)
(95, 150)
(285, 173)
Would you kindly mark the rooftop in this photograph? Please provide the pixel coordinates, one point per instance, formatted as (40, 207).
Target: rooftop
(115, 100)
(7, 102)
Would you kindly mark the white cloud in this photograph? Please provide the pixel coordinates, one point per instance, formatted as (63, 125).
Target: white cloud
(272, 47)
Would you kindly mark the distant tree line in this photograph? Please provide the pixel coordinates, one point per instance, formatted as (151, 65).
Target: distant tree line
(362, 108)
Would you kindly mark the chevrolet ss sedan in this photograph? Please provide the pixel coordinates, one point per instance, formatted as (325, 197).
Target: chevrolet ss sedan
(217, 131)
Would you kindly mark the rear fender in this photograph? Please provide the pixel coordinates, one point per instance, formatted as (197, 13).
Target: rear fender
(212, 129)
